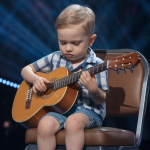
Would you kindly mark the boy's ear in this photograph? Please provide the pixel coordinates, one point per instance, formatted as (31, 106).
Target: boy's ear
(92, 39)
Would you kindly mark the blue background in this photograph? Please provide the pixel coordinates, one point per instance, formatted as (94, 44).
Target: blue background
(27, 33)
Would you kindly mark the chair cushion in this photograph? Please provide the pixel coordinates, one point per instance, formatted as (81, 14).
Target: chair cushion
(97, 136)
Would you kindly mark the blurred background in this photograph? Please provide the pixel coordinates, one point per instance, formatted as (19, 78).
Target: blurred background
(27, 33)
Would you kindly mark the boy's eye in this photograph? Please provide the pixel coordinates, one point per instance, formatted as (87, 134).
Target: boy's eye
(62, 43)
(76, 43)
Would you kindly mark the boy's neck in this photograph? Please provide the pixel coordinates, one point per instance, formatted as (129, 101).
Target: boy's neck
(75, 65)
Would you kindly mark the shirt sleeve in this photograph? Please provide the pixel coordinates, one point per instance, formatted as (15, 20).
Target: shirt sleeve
(43, 64)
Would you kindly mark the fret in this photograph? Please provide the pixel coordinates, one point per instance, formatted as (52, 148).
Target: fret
(72, 79)
(69, 79)
(58, 84)
(93, 70)
(54, 85)
(97, 68)
(72, 76)
(75, 77)
(63, 83)
(78, 75)
(66, 82)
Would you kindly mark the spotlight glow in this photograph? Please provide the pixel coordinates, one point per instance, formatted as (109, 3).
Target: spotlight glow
(8, 83)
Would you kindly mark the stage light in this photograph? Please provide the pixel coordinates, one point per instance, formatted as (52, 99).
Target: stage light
(11, 84)
(8, 83)
(6, 124)
(4, 81)
(15, 85)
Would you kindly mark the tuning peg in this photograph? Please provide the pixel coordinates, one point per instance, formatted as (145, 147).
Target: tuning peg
(117, 72)
(124, 71)
(131, 69)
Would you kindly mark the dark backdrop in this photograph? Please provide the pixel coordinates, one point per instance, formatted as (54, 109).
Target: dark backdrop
(27, 33)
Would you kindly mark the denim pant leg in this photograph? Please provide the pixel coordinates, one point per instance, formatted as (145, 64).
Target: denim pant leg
(95, 120)
(60, 118)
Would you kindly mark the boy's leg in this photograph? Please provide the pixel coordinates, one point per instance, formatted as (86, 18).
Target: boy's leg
(47, 128)
(74, 126)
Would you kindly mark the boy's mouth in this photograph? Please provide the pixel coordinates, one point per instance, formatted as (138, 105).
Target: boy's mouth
(69, 55)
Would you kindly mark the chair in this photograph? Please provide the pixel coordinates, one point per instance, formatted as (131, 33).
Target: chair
(127, 98)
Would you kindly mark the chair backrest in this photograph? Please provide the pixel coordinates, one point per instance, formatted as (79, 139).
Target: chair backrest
(124, 96)
(128, 92)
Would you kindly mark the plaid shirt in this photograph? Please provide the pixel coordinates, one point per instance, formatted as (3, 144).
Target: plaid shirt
(55, 60)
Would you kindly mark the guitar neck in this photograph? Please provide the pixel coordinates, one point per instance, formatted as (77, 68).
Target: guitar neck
(76, 76)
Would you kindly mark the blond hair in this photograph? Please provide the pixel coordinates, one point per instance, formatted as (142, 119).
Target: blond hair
(74, 15)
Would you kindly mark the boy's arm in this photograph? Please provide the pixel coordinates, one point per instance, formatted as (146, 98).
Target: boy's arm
(28, 74)
(97, 95)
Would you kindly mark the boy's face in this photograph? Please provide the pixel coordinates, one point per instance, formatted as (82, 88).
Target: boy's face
(73, 43)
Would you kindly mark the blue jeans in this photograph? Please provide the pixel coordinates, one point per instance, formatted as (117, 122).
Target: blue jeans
(95, 120)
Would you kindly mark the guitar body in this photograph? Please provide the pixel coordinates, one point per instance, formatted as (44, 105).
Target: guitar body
(60, 101)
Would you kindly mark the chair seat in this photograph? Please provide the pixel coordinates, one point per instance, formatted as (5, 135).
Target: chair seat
(104, 136)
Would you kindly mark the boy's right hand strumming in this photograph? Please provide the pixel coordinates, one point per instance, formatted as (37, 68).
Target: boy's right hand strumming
(39, 84)
(28, 74)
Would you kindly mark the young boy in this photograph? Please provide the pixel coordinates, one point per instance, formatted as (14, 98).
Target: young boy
(75, 27)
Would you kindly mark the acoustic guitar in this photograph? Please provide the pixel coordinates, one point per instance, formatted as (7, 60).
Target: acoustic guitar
(62, 91)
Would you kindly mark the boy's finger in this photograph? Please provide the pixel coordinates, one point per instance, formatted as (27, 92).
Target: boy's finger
(42, 85)
(45, 80)
(34, 90)
(87, 73)
(82, 80)
(83, 74)
(39, 87)
(93, 76)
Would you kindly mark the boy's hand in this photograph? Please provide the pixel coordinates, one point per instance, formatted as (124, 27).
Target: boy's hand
(88, 82)
(39, 84)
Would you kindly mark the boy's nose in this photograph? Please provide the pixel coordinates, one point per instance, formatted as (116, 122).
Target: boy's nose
(68, 48)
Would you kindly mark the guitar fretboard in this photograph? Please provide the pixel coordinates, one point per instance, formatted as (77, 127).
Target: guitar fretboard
(57, 84)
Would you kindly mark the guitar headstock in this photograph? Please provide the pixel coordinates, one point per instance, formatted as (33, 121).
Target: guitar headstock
(127, 61)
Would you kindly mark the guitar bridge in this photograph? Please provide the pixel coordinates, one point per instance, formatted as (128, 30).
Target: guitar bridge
(28, 98)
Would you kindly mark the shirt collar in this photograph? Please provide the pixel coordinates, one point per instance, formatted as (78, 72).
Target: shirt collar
(91, 58)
